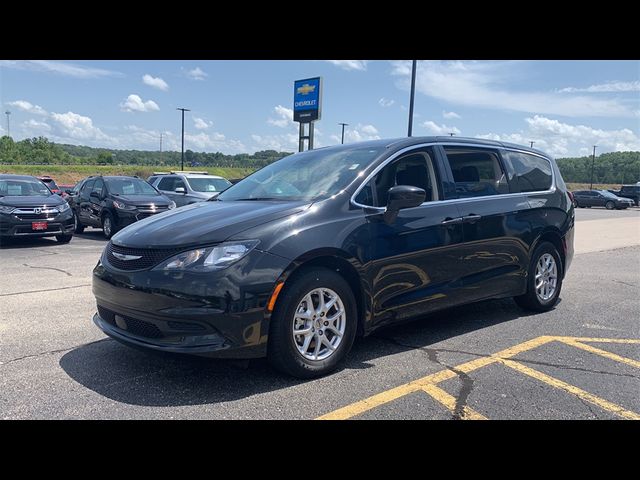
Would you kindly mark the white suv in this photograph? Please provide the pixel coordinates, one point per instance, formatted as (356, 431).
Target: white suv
(186, 188)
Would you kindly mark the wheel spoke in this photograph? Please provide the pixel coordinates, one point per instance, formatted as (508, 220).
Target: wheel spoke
(321, 307)
(335, 331)
(330, 304)
(303, 331)
(307, 341)
(327, 343)
(317, 349)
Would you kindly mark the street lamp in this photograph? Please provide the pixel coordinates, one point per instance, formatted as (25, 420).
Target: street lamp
(593, 161)
(7, 113)
(182, 156)
(343, 125)
(413, 94)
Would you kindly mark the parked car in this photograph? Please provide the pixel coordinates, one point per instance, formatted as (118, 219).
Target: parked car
(600, 198)
(29, 208)
(49, 182)
(629, 191)
(186, 188)
(301, 256)
(63, 189)
(113, 202)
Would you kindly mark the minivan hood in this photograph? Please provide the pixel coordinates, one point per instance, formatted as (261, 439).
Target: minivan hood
(143, 199)
(32, 201)
(203, 223)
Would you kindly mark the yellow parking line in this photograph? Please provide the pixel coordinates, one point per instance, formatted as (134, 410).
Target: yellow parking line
(387, 396)
(602, 353)
(449, 401)
(600, 340)
(554, 382)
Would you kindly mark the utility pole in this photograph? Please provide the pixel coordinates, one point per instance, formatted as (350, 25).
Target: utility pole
(7, 113)
(182, 156)
(593, 161)
(532, 143)
(343, 125)
(161, 147)
(413, 94)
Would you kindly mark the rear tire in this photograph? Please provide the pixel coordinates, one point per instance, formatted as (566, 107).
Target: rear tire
(79, 228)
(540, 299)
(609, 205)
(108, 226)
(299, 309)
(64, 238)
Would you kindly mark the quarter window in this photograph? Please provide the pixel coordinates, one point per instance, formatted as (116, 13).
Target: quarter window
(531, 173)
(476, 172)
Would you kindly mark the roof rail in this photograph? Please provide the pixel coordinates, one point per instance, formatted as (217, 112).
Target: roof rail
(190, 172)
(162, 173)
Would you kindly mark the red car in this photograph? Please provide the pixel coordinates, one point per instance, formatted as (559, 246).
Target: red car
(63, 189)
(49, 182)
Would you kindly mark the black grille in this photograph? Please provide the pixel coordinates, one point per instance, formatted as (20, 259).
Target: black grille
(149, 257)
(35, 216)
(135, 326)
(185, 326)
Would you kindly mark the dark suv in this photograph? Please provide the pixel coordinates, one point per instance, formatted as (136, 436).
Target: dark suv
(113, 202)
(28, 208)
(298, 258)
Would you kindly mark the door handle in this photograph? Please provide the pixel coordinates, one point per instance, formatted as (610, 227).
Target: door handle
(451, 221)
(471, 218)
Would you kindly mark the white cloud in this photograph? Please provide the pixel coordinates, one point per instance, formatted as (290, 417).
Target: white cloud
(437, 129)
(450, 115)
(284, 117)
(605, 88)
(36, 126)
(197, 74)
(213, 142)
(77, 127)
(562, 139)
(155, 82)
(358, 133)
(61, 68)
(28, 107)
(385, 102)
(482, 84)
(350, 64)
(134, 103)
(201, 123)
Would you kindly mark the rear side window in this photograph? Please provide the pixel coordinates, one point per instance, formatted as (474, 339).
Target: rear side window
(530, 172)
(476, 172)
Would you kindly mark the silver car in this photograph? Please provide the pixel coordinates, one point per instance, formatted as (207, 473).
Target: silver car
(186, 188)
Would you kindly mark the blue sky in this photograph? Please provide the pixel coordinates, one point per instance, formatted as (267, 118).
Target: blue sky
(565, 107)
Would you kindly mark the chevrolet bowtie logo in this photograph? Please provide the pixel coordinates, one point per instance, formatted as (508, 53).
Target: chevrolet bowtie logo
(306, 89)
(126, 258)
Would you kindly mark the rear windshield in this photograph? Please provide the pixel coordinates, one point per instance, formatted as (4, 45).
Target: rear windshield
(51, 184)
(209, 184)
(129, 186)
(23, 188)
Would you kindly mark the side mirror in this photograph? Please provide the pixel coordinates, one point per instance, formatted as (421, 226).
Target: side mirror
(402, 196)
(68, 191)
(181, 190)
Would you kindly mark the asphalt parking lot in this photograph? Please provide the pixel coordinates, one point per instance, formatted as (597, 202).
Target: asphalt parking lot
(489, 360)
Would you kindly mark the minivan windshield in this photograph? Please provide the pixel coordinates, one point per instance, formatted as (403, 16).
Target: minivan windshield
(129, 186)
(23, 188)
(308, 176)
(208, 184)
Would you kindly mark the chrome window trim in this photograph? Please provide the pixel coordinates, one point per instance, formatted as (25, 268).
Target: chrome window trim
(453, 200)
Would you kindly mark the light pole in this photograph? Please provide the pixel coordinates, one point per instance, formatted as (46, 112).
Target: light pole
(7, 113)
(413, 94)
(593, 161)
(343, 125)
(182, 156)
(160, 148)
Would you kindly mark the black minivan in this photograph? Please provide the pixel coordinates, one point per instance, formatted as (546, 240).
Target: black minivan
(299, 258)
(113, 202)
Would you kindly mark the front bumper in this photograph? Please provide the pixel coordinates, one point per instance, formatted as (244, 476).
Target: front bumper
(221, 314)
(12, 226)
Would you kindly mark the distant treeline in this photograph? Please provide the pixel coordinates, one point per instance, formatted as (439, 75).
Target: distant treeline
(40, 150)
(612, 168)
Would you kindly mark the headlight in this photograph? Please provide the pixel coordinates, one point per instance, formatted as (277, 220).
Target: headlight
(210, 258)
(6, 209)
(64, 207)
(122, 206)
(172, 205)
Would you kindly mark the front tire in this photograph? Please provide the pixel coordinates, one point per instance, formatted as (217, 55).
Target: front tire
(609, 205)
(544, 280)
(313, 325)
(64, 238)
(108, 226)
(79, 228)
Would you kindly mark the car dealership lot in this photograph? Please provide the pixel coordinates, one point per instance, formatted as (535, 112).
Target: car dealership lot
(54, 363)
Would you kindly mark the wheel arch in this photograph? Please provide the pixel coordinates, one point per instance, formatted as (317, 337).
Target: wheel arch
(554, 237)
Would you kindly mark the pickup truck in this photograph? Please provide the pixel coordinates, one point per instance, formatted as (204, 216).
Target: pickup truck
(629, 191)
